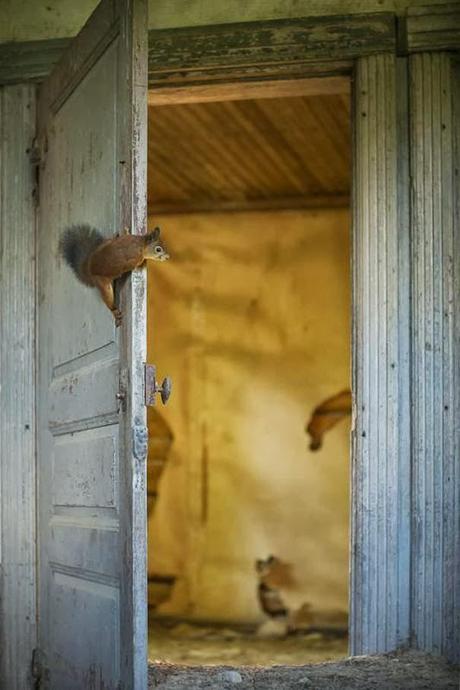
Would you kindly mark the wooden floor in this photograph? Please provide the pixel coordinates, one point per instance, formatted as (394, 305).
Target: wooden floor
(182, 643)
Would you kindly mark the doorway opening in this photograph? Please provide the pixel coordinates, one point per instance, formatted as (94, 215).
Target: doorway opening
(247, 517)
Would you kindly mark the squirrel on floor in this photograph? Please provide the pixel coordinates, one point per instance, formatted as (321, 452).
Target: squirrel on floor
(97, 261)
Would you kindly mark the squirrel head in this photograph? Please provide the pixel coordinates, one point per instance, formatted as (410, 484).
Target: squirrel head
(263, 566)
(155, 249)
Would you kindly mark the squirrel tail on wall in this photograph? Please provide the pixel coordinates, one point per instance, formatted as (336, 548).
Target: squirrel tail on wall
(76, 245)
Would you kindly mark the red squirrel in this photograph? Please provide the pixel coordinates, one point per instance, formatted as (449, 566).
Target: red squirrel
(326, 416)
(97, 261)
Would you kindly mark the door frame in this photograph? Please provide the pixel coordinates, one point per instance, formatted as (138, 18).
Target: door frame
(380, 114)
(275, 53)
(381, 54)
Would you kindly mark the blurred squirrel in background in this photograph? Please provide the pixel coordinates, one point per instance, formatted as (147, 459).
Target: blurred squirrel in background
(280, 598)
(325, 416)
(97, 261)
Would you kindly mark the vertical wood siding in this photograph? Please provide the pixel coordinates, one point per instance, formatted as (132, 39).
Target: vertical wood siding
(133, 146)
(435, 110)
(17, 388)
(380, 548)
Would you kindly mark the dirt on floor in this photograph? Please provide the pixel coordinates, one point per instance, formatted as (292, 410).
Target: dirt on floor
(400, 671)
(180, 642)
(190, 656)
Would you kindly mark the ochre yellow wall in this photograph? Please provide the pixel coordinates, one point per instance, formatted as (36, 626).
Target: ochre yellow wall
(251, 319)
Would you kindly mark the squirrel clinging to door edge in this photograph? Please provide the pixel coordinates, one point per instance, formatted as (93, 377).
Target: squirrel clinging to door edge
(97, 261)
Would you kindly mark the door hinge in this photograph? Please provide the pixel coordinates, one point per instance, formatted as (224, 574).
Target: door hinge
(151, 387)
(34, 158)
(37, 153)
(37, 669)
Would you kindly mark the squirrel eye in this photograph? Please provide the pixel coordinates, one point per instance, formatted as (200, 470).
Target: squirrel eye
(158, 249)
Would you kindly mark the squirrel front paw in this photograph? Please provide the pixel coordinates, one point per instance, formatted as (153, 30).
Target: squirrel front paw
(117, 315)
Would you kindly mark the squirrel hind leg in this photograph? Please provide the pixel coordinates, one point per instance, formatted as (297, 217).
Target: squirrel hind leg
(105, 287)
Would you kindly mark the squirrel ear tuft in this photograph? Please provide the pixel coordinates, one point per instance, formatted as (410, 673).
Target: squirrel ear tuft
(156, 234)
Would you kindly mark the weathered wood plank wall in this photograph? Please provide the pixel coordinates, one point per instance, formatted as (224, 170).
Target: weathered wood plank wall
(285, 48)
(405, 568)
(435, 162)
(380, 549)
(435, 27)
(17, 388)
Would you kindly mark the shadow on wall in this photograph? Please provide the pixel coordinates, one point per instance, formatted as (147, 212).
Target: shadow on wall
(160, 442)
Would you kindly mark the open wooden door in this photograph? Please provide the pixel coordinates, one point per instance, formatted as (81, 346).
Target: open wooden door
(92, 436)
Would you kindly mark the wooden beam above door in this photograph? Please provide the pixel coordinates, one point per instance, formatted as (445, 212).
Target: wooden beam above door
(272, 49)
(239, 91)
(302, 47)
(240, 206)
(433, 28)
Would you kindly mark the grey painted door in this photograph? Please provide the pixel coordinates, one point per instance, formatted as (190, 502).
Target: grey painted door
(91, 418)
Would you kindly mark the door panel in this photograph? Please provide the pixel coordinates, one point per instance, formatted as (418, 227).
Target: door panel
(91, 476)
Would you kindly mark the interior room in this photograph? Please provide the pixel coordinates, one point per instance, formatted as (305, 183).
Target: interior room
(248, 509)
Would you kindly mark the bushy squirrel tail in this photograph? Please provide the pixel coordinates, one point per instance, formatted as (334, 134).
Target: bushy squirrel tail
(76, 245)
